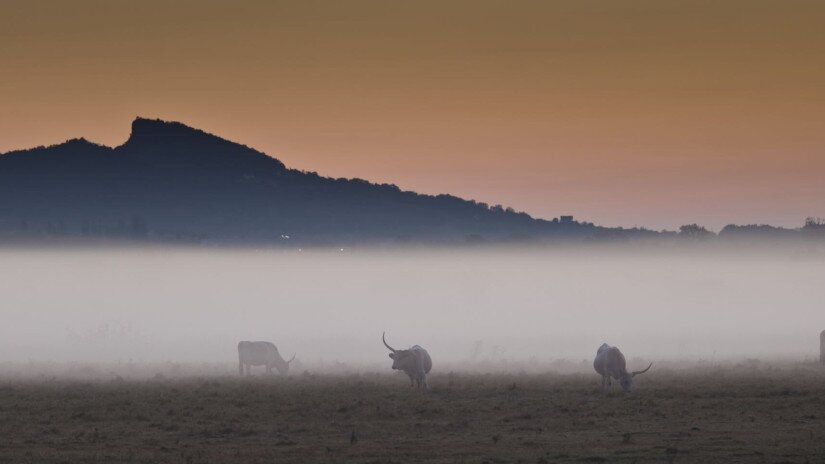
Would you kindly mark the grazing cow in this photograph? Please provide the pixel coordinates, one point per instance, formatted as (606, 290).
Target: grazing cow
(261, 354)
(415, 362)
(609, 363)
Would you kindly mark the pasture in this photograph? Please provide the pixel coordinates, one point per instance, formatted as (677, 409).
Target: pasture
(738, 412)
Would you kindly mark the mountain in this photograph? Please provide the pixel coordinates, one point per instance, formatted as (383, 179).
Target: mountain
(172, 182)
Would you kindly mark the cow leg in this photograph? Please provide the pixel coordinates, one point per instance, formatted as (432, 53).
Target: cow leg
(240, 368)
(424, 381)
(248, 369)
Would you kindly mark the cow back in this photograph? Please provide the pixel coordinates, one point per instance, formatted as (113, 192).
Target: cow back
(609, 361)
(257, 353)
(423, 358)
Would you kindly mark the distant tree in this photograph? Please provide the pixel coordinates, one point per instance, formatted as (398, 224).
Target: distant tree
(694, 231)
(755, 230)
(814, 226)
(814, 223)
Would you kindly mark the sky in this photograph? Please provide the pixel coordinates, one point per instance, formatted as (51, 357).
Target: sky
(639, 112)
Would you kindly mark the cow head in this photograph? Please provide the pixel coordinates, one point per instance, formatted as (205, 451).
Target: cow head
(400, 358)
(626, 380)
(283, 366)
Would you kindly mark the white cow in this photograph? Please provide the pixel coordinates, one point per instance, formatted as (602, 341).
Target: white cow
(261, 354)
(415, 362)
(610, 362)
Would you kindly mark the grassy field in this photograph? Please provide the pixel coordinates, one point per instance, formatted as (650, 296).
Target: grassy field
(742, 413)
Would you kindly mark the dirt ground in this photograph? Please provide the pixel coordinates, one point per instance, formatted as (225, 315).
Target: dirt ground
(750, 413)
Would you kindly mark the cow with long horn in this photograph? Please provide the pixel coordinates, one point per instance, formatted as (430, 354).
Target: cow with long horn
(415, 362)
(610, 362)
(261, 354)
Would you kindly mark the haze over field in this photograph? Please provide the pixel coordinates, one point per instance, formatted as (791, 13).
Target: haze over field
(523, 305)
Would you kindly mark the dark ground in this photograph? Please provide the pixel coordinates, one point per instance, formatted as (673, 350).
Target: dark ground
(745, 413)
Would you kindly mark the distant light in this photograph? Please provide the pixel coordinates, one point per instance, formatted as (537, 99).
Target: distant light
(342, 249)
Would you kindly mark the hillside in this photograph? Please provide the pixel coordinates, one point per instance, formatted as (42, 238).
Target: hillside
(173, 182)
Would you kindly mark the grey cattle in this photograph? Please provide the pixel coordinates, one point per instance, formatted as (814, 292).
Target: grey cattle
(609, 363)
(415, 362)
(261, 354)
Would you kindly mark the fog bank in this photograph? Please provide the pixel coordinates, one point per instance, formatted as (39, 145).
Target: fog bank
(480, 305)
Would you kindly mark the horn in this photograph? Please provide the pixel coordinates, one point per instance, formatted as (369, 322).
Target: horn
(384, 339)
(642, 372)
(291, 359)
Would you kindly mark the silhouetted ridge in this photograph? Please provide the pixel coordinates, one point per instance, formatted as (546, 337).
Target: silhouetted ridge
(64, 159)
(176, 142)
(158, 133)
(80, 143)
(169, 181)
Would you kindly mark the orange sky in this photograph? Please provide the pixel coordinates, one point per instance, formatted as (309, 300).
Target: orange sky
(637, 112)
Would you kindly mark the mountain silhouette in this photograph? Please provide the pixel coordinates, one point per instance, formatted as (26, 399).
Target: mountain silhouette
(172, 182)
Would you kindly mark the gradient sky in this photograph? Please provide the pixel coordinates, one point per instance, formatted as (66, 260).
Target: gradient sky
(637, 112)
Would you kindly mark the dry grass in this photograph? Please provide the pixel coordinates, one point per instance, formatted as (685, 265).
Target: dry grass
(749, 413)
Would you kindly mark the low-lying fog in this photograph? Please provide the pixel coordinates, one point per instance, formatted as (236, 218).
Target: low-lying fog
(481, 305)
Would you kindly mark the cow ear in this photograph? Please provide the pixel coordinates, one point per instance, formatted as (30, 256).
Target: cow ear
(392, 355)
